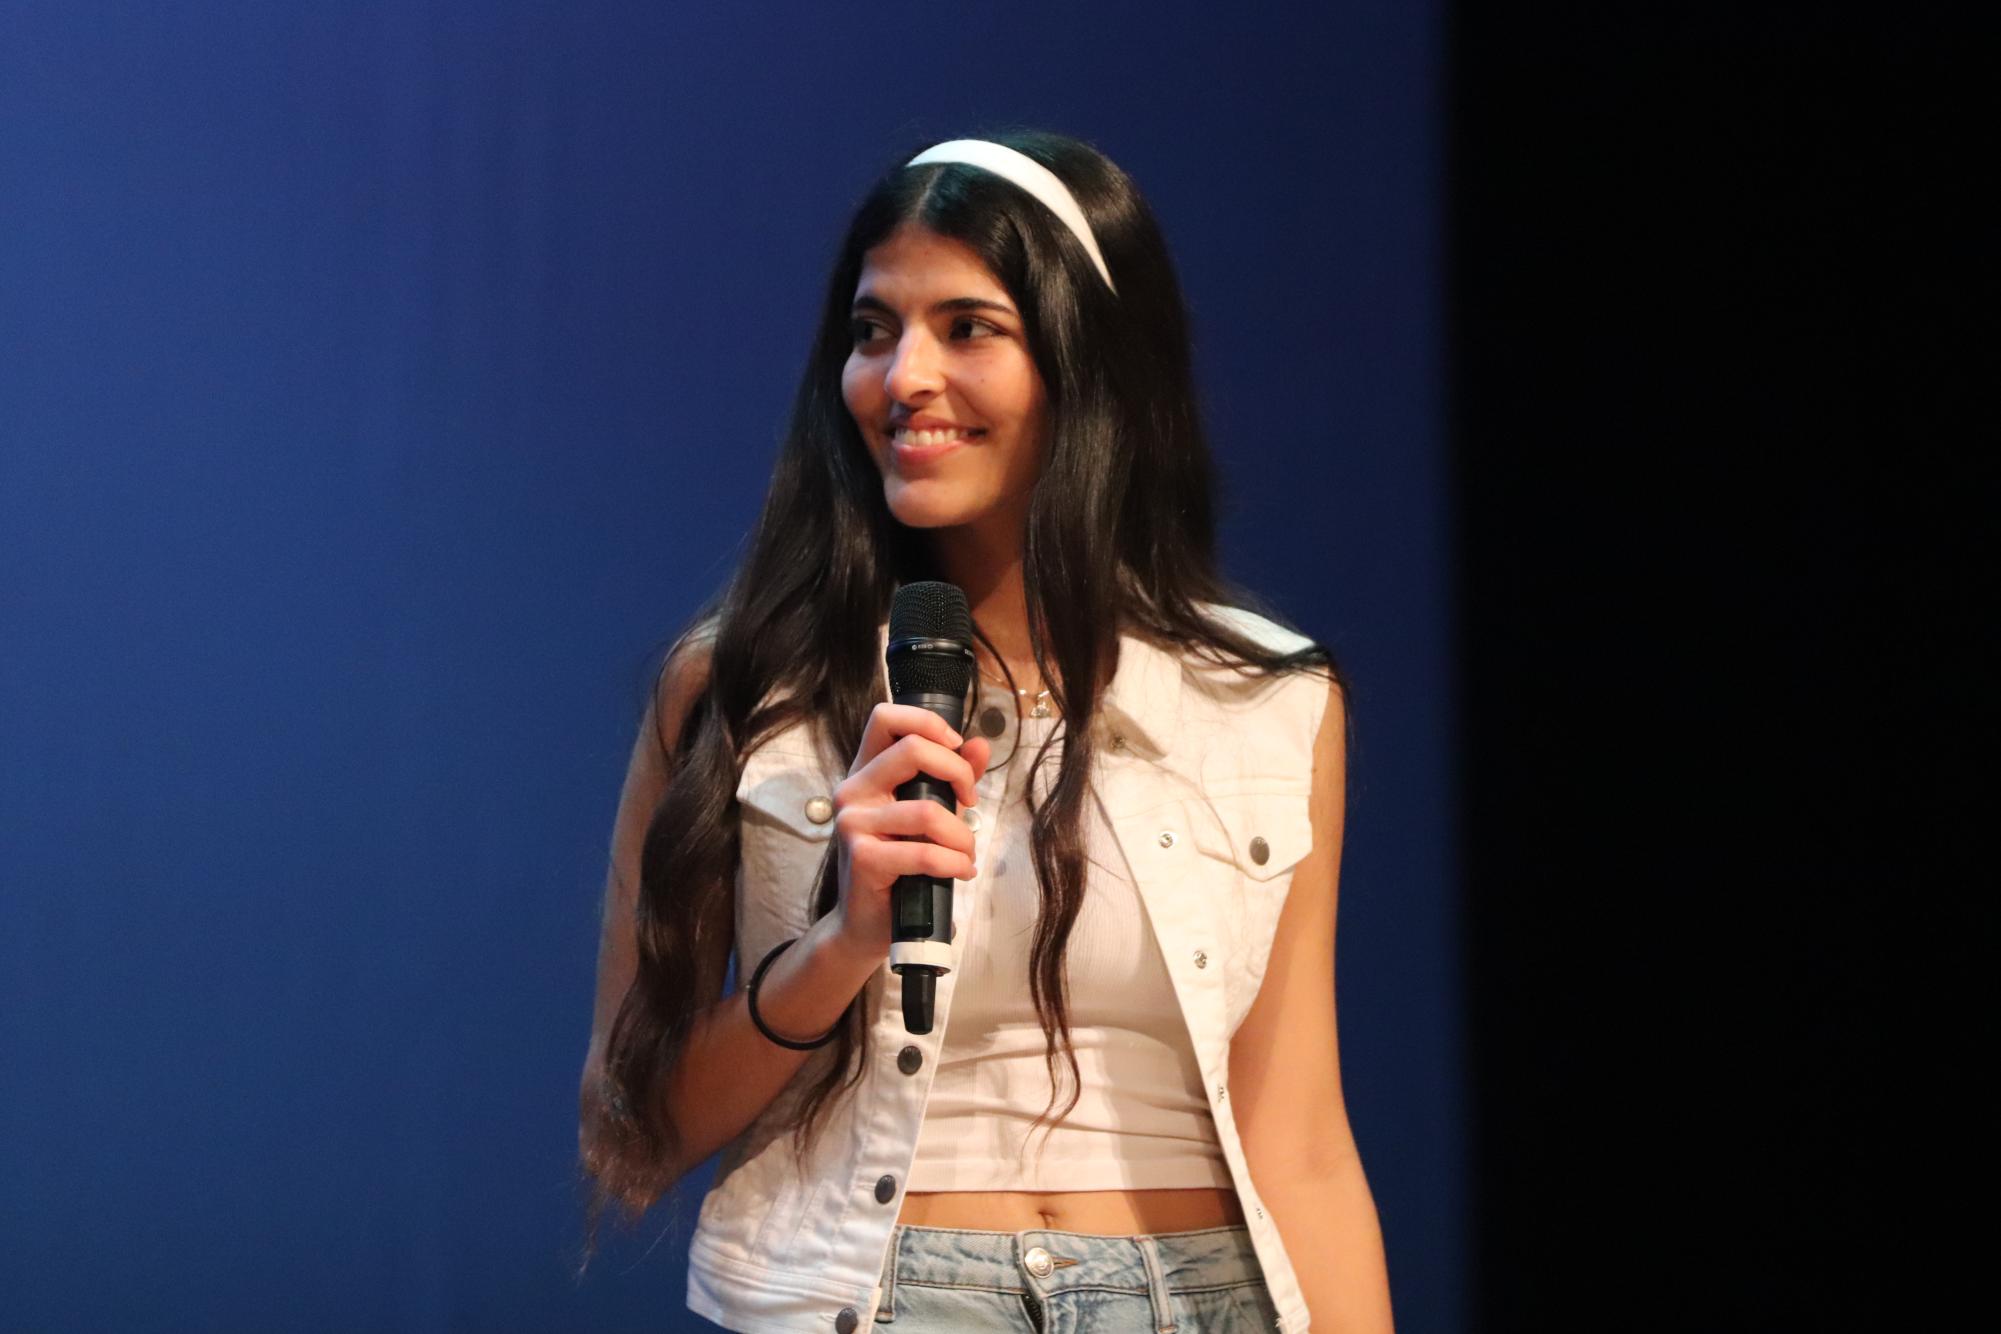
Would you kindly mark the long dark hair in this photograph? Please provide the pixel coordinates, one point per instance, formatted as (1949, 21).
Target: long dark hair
(1120, 538)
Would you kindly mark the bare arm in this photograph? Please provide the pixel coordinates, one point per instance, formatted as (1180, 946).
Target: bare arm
(1285, 1068)
(729, 1072)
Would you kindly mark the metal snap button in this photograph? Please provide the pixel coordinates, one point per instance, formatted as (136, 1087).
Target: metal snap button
(992, 721)
(885, 1189)
(971, 815)
(1167, 838)
(1201, 959)
(819, 809)
(1260, 850)
(1038, 1262)
(909, 1060)
(845, 1322)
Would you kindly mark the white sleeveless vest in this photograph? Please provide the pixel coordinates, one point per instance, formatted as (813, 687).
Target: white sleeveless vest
(1204, 778)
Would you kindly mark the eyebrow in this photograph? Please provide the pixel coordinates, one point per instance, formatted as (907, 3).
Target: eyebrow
(954, 305)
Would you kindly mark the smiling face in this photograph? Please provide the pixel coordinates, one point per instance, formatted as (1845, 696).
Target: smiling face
(938, 344)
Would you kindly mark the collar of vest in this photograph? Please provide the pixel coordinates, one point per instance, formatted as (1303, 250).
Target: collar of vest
(1144, 700)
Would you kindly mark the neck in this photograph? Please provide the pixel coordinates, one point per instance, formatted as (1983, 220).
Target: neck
(987, 565)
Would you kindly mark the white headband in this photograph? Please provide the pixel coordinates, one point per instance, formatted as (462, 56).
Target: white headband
(1030, 175)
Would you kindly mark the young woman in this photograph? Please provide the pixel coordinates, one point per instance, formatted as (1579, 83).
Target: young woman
(1152, 788)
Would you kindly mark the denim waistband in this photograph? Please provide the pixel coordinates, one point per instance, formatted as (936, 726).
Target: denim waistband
(1042, 1261)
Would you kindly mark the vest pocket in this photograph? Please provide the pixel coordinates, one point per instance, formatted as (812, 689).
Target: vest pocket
(1264, 834)
(1255, 839)
(786, 804)
(786, 791)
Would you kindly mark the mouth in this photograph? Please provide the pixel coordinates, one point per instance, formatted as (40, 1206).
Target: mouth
(922, 446)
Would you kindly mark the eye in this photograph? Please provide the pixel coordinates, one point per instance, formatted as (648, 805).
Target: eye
(859, 329)
(967, 321)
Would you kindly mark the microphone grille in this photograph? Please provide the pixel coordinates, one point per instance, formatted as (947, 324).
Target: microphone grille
(930, 609)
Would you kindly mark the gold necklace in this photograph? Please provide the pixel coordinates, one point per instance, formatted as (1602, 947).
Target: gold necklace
(1040, 703)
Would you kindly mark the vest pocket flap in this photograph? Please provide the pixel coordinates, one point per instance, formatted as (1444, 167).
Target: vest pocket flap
(788, 791)
(1264, 833)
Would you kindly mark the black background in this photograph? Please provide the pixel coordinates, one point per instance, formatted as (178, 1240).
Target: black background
(1712, 562)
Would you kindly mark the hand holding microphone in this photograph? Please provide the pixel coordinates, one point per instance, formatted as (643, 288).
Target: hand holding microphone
(902, 842)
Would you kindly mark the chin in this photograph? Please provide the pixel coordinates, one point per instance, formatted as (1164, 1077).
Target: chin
(928, 516)
(928, 507)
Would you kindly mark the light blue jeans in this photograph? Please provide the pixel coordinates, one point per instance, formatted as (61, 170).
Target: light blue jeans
(942, 1280)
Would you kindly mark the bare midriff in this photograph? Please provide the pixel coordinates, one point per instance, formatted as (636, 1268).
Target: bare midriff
(1109, 1213)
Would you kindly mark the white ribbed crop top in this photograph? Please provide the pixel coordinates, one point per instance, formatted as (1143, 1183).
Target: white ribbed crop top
(1142, 1120)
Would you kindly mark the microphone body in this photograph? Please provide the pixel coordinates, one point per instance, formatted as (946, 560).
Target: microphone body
(930, 660)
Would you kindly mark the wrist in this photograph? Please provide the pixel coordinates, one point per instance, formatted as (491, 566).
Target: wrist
(830, 942)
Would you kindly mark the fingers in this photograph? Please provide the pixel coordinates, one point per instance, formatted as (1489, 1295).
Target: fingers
(885, 860)
(913, 755)
(909, 819)
(907, 842)
(978, 750)
(902, 741)
(888, 722)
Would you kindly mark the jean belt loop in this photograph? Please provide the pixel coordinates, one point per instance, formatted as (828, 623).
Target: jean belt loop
(1156, 1284)
(886, 1311)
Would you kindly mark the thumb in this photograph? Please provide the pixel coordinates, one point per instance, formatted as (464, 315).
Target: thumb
(977, 752)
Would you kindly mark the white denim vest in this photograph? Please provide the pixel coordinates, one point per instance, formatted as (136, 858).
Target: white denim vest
(1204, 777)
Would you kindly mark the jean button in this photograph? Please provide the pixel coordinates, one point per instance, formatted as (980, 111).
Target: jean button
(845, 1322)
(885, 1189)
(1038, 1262)
(909, 1060)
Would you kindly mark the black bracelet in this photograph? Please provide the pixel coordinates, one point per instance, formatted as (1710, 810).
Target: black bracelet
(750, 994)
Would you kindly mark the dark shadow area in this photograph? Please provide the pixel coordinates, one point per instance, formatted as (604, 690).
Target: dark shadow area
(1707, 563)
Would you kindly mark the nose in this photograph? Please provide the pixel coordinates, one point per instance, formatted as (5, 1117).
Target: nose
(914, 372)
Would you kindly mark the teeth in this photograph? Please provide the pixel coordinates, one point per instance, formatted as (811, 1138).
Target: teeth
(920, 438)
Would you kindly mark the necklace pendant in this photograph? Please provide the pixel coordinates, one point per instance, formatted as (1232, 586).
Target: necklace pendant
(1041, 709)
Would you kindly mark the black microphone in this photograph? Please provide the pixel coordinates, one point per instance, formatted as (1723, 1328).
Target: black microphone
(930, 657)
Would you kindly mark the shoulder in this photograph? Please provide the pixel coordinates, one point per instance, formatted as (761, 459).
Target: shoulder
(686, 671)
(1245, 722)
(1233, 687)
(683, 680)
(1262, 630)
